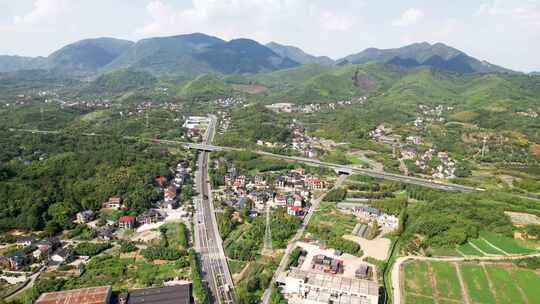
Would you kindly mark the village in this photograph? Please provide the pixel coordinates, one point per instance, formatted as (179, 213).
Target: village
(26, 255)
(415, 156)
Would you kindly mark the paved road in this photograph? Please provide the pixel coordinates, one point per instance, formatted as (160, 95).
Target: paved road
(396, 273)
(206, 146)
(290, 247)
(349, 169)
(208, 242)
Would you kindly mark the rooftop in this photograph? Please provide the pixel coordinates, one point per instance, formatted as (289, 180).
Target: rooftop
(93, 295)
(341, 283)
(178, 294)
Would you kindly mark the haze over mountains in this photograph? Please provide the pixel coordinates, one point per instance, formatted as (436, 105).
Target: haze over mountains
(195, 54)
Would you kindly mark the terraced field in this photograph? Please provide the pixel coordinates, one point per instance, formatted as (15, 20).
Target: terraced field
(494, 244)
(486, 283)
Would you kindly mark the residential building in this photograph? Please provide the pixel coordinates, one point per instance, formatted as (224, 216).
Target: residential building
(150, 216)
(113, 203)
(126, 222)
(84, 217)
(62, 255)
(24, 241)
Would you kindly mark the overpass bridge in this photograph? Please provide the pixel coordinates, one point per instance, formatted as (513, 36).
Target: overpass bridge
(345, 169)
(342, 169)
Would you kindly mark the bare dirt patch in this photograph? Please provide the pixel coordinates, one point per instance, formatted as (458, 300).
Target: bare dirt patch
(377, 248)
(250, 88)
(522, 219)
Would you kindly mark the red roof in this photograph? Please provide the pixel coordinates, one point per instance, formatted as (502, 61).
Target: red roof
(126, 219)
(93, 295)
(295, 208)
(161, 180)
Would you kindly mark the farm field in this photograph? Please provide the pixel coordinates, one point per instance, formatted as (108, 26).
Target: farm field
(486, 283)
(485, 247)
(507, 244)
(446, 280)
(476, 282)
(468, 249)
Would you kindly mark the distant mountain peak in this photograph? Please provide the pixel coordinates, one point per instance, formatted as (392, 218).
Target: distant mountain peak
(437, 55)
(297, 54)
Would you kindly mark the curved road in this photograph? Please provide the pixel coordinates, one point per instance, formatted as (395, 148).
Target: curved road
(396, 273)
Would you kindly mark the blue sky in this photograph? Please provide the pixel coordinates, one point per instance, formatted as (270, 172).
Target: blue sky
(504, 32)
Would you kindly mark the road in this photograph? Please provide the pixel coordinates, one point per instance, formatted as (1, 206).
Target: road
(290, 247)
(396, 273)
(208, 242)
(206, 146)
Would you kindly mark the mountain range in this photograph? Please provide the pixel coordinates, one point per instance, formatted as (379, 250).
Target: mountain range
(195, 54)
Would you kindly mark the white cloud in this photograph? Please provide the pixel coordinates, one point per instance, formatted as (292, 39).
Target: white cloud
(42, 10)
(333, 22)
(524, 12)
(409, 17)
(235, 18)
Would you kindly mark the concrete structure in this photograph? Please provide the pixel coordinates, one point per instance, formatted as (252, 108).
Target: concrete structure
(93, 295)
(311, 287)
(179, 294)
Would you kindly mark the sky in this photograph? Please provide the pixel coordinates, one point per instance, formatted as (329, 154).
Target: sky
(503, 32)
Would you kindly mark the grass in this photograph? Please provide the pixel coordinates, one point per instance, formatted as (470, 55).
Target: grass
(417, 278)
(507, 244)
(529, 282)
(476, 283)
(355, 160)
(447, 280)
(506, 291)
(177, 234)
(418, 299)
(485, 247)
(236, 266)
(468, 249)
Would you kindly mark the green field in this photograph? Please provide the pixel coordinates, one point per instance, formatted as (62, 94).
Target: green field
(476, 283)
(506, 291)
(507, 244)
(417, 278)
(417, 299)
(447, 280)
(468, 249)
(529, 283)
(485, 284)
(485, 247)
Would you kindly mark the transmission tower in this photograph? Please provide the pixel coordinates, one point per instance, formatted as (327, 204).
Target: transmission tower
(147, 124)
(484, 146)
(268, 230)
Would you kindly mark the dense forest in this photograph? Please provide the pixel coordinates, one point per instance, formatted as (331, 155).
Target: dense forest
(46, 179)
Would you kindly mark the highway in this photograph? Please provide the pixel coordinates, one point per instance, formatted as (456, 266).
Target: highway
(349, 169)
(206, 146)
(208, 242)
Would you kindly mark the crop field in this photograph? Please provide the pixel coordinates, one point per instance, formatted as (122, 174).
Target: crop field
(447, 280)
(507, 244)
(439, 282)
(468, 249)
(477, 283)
(485, 247)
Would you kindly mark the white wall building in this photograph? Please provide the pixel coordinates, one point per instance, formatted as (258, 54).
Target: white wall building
(310, 287)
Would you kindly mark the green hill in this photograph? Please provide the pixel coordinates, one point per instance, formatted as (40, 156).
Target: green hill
(121, 81)
(436, 55)
(205, 87)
